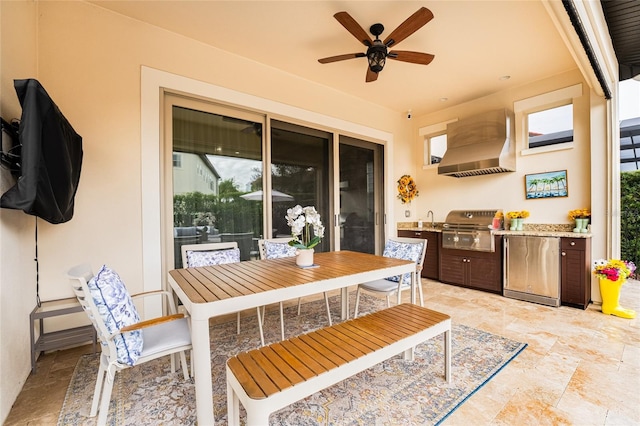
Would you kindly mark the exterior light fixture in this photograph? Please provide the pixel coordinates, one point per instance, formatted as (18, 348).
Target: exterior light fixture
(377, 56)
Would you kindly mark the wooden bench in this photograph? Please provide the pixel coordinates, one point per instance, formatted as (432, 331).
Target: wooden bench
(275, 376)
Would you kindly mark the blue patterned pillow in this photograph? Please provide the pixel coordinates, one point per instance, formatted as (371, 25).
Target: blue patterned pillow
(405, 251)
(117, 310)
(278, 250)
(212, 257)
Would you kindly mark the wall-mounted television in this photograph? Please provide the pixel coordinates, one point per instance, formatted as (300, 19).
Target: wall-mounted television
(50, 159)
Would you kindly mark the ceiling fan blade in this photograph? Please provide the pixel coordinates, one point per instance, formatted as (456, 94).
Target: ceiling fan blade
(413, 57)
(412, 24)
(371, 76)
(354, 28)
(341, 57)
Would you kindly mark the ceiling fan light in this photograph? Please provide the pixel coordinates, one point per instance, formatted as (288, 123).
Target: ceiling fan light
(377, 56)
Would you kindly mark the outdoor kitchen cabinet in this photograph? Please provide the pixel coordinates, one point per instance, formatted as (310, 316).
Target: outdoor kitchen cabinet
(430, 268)
(575, 271)
(480, 270)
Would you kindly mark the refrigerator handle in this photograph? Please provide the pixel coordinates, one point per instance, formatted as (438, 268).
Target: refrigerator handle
(505, 282)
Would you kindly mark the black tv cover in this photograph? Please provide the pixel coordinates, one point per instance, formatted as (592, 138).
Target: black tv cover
(51, 158)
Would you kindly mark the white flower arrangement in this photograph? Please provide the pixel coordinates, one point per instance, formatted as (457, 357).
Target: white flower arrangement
(302, 221)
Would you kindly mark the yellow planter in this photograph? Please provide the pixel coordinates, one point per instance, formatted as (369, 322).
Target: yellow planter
(610, 292)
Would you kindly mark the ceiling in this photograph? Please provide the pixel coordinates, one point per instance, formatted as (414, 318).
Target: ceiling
(623, 20)
(475, 43)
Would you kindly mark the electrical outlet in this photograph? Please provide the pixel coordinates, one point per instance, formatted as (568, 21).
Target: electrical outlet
(407, 213)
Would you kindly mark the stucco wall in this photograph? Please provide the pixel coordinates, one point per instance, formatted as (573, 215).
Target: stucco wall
(507, 190)
(18, 59)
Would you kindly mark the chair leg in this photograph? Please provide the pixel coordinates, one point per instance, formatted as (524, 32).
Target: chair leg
(173, 362)
(98, 390)
(326, 302)
(183, 362)
(420, 293)
(260, 325)
(388, 302)
(299, 299)
(264, 307)
(355, 311)
(238, 316)
(281, 321)
(106, 399)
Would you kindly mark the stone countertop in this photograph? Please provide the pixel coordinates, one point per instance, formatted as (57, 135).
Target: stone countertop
(428, 228)
(541, 233)
(530, 229)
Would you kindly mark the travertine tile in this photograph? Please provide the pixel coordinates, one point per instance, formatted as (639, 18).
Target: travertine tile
(581, 367)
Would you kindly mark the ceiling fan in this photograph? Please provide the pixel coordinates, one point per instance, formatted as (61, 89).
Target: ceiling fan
(378, 50)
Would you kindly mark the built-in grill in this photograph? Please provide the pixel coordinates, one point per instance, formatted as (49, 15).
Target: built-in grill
(471, 229)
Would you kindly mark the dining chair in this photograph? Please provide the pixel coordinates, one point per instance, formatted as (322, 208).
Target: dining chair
(195, 255)
(276, 248)
(126, 340)
(399, 248)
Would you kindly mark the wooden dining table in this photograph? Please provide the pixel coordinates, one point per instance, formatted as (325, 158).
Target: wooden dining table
(211, 291)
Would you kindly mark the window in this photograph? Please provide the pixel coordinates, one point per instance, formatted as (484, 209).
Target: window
(550, 126)
(177, 160)
(437, 147)
(545, 122)
(630, 145)
(435, 142)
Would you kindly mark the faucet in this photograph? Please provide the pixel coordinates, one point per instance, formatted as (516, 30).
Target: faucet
(430, 213)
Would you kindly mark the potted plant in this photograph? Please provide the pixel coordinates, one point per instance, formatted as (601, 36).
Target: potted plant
(581, 217)
(613, 273)
(307, 232)
(517, 219)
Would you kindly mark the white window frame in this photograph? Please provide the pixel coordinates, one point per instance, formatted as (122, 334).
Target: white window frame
(427, 133)
(549, 100)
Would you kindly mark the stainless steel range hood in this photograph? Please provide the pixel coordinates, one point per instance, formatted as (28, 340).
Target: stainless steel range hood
(480, 145)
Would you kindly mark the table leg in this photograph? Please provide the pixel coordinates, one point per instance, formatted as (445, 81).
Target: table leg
(414, 283)
(344, 296)
(202, 371)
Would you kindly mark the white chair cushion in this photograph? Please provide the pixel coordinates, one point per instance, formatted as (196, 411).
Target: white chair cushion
(383, 286)
(405, 251)
(117, 310)
(212, 257)
(278, 250)
(166, 336)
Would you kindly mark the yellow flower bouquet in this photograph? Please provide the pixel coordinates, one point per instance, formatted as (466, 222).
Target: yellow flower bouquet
(407, 189)
(579, 214)
(516, 218)
(581, 217)
(523, 214)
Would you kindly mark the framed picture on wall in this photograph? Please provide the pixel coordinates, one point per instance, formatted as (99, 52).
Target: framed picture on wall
(546, 185)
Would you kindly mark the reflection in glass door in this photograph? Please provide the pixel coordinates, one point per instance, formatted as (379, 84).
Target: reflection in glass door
(360, 195)
(300, 172)
(216, 166)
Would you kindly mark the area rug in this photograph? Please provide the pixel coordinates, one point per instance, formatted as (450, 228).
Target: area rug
(394, 392)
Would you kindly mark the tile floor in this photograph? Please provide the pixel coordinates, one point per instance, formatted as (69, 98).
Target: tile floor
(580, 368)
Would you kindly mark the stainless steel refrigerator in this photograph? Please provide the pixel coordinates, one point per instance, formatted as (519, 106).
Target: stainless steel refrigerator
(532, 269)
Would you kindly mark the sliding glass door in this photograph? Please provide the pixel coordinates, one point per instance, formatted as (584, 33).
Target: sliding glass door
(361, 224)
(216, 190)
(300, 169)
(217, 165)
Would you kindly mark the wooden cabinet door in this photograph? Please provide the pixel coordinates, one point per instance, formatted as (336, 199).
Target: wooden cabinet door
(431, 257)
(453, 269)
(484, 274)
(575, 281)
